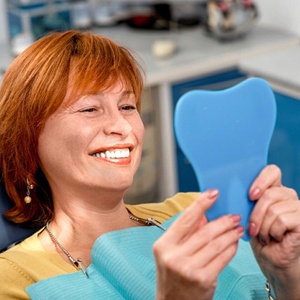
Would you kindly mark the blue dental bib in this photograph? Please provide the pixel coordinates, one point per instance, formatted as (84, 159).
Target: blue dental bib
(123, 267)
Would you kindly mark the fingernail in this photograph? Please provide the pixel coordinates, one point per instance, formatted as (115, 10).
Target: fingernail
(262, 241)
(252, 229)
(236, 219)
(212, 194)
(240, 230)
(254, 193)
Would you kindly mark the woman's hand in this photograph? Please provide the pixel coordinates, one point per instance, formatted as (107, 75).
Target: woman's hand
(275, 227)
(193, 252)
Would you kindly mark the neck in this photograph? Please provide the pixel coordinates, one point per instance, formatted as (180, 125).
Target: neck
(77, 225)
(102, 210)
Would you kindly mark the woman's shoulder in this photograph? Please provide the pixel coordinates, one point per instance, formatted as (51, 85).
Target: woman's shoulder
(30, 262)
(30, 246)
(13, 280)
(18, 250)
(162, 211)
(14, 277)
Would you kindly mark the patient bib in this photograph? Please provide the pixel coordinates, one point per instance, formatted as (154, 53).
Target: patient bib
(123, 267)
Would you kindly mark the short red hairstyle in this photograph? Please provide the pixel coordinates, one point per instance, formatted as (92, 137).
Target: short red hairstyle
(34, 87)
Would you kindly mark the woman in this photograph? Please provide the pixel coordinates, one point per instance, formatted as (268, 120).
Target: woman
(71, 141)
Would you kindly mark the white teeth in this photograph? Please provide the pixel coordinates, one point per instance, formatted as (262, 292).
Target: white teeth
(118, 153)
(107, 154)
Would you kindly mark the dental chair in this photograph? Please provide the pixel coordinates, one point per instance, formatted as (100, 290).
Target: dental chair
(10, 233)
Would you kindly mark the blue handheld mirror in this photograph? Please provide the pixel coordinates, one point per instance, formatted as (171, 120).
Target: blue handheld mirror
(226, 135)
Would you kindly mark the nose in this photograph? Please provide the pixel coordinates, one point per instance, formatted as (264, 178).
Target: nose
(115, 123)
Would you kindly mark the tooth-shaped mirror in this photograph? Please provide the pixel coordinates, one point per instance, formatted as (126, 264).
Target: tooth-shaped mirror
(226, 135)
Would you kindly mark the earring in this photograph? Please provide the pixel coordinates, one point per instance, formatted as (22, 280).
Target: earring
(27, 198)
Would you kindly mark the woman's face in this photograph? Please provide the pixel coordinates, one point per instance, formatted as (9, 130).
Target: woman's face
(95, 143)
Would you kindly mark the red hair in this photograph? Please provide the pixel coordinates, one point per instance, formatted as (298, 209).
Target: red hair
(34, 87)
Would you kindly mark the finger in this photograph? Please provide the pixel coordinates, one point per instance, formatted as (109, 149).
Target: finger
(217, 246)
(276, 214)
(270, 197)
(212, 230)
(268, 177)
(211, 261)
(189, 219)
(275, 211)
(220, 262)
(285, 222)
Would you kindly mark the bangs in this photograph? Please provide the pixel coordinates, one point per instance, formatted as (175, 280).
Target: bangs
(98, 65)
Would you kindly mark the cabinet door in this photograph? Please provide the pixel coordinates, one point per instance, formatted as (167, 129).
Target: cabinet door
(285, 144)
(186, 177)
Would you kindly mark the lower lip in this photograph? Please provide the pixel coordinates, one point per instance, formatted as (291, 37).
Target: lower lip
(118, 161)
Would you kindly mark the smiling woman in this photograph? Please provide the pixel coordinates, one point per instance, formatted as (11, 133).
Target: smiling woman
(71, 141)
(62, 68)
(84, 156)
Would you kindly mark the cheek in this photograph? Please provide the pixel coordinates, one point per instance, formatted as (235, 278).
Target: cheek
(139, 130)
(61, 144)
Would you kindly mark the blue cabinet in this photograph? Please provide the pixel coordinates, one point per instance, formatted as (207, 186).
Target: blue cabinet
(285, 144)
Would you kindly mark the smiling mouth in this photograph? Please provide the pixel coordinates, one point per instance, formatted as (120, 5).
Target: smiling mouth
(113, 154)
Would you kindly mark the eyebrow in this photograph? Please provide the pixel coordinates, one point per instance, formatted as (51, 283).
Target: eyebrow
(128, 92)
(124, 93)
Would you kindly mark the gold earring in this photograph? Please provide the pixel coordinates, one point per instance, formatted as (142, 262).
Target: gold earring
(27, 198)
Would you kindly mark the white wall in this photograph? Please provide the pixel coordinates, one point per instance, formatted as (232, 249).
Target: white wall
(280, 14)
(3, 22)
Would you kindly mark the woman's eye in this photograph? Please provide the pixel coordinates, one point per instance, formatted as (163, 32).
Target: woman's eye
(88, 110)
(128, 107)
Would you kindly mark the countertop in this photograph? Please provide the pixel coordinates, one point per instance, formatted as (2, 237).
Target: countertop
(281, 68)
(196, 53)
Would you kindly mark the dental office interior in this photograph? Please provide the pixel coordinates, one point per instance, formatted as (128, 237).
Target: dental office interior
(185, 45)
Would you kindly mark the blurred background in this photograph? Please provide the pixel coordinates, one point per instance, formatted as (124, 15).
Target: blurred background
(191, 44)
(35, 15)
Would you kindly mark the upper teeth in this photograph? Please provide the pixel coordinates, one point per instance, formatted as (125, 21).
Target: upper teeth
(118, 153)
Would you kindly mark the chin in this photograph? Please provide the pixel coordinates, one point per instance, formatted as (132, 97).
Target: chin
(122, 186)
